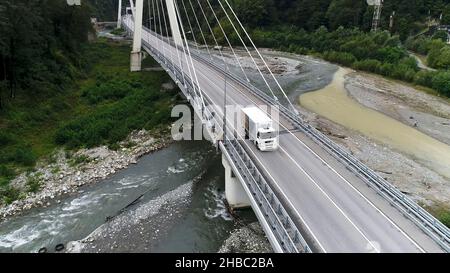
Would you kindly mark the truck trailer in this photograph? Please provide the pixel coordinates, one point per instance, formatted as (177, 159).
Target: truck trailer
(259, 129)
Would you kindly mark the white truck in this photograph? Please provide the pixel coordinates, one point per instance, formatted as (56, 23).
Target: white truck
(259, 129)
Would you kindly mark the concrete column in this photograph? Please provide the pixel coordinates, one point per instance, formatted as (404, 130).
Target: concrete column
(136, 54)
(234, 192)
(119, 15)
(174, 25)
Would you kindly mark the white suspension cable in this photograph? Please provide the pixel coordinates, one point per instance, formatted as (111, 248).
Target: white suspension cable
(180, 61)
(160, 29)
(181, 64)
(262, 58)
(156, 28)
(190, 25)
(149, 16)
(248, 51)
(167, 33)
(213, 35)
(228, 41)
(185, 57)
(200, 28)
(190, 57)
(132, 8)
(145, 36)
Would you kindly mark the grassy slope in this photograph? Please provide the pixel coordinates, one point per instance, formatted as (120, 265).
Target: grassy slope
(100, 109)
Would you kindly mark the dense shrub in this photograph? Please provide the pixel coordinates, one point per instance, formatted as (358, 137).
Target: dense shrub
(8, 194)
(377, 52)
(437, 47)
(133, 104)
(5, 171)
(440, 58)
(21, 155)
(369, 65)
(420, 45)
(111, 90)
(444, 217)
(6, 139)
(424, 78)
(344, 58)
(104, 105)
(441, 35)
(33, 184)
(441, 82)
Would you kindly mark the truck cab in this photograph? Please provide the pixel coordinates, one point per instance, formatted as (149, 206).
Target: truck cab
(259, 129)
(267, 139)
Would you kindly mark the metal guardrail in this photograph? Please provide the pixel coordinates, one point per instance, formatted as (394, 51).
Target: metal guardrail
(275, 214)
(423, 219)
(282, 226)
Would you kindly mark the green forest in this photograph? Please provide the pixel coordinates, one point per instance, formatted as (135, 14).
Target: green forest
(411, 16)
(59, 89)
(40, 43)
(339, 31)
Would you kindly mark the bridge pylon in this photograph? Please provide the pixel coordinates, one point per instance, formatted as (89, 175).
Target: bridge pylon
(119, 15)
(174, 25)
(136, 53)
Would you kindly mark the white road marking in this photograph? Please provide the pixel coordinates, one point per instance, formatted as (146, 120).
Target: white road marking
(331, 168)
(275, 183)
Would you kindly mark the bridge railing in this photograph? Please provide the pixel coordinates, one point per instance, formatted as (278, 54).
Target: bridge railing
(423, 219)
(275, 214)
(282, 226)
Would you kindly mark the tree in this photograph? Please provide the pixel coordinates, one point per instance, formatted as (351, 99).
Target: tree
(443, 61)
(441, 82)
(256, 12)
(33, 35)
(346, 13)
(446, 15)
(435, 52)
(310, 14)
(442, 35)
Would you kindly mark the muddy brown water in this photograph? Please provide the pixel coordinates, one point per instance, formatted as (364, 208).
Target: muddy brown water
(334, 103)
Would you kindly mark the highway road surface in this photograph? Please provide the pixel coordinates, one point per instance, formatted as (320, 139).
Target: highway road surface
(333, 208)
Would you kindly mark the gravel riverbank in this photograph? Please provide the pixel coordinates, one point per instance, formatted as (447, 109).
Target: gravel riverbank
(70, 171)
(424, 112)
(247, 239)
(416, 177)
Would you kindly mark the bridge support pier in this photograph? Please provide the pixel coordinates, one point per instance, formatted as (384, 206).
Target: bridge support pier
(135, 61)
(234, 192)
(136, 54)
(119, 15)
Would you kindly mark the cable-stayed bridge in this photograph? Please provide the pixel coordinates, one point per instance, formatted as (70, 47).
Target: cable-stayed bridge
(310, 195)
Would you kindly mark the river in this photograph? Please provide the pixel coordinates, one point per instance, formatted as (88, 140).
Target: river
(179, 190)
(182, 188)
(334, 103)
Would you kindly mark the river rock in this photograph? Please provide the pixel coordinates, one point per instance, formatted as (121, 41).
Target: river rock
(67, 179)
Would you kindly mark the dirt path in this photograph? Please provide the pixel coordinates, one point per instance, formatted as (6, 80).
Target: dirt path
(420, 63)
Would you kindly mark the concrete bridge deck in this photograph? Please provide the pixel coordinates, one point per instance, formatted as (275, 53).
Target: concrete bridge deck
(333, 208)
